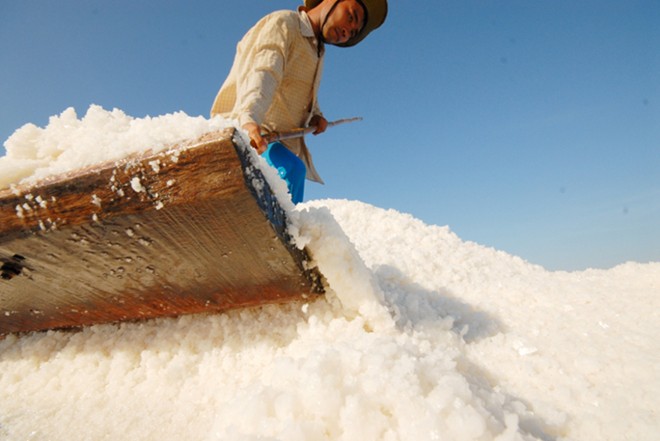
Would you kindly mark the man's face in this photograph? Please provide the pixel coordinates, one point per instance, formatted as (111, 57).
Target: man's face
(345, 22)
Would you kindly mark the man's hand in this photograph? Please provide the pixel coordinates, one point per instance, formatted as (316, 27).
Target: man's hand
(256, 140)
(320, 123)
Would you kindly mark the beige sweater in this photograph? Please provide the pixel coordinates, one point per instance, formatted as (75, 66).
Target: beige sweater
(275, 78)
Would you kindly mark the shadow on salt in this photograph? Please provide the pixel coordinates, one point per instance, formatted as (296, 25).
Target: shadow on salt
(418, 307)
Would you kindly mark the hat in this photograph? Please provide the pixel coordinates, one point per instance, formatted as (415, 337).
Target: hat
(375, 12)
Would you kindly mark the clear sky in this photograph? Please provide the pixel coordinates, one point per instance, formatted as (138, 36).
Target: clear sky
(529, 126)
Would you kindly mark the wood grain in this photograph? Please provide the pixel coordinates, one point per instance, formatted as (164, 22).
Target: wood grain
(188, 230)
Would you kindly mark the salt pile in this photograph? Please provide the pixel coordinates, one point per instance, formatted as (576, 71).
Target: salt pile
(69, 143)
(421, 336)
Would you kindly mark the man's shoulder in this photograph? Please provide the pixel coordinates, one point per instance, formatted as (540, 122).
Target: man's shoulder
(279, 26)
(284, 17)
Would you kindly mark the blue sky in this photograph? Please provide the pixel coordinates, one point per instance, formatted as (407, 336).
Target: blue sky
(529, 126)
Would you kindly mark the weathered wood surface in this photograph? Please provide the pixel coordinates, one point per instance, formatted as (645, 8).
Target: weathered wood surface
(194, 229)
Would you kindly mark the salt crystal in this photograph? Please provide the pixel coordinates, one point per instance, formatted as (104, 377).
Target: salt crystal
(96, 200)
(527, 351)
(136, 185)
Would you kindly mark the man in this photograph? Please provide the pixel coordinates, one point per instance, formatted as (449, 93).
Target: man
(274, 81)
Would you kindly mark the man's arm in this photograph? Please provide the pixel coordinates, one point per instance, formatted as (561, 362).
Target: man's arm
(260, 77)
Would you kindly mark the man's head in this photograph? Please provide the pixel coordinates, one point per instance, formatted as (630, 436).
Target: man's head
(347, 22)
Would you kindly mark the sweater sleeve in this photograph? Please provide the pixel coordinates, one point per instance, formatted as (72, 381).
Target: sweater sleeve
(316, 108)
(261, 75)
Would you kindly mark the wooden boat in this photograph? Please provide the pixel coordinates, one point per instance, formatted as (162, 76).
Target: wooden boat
(192, 229)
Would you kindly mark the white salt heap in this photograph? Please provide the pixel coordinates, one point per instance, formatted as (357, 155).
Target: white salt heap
(69, 143)
(421, 336)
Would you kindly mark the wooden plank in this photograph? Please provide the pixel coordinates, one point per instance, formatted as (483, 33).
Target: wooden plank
(194, 229)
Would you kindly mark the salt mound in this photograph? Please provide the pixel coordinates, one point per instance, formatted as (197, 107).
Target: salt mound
(68, 143)
(421, 336)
